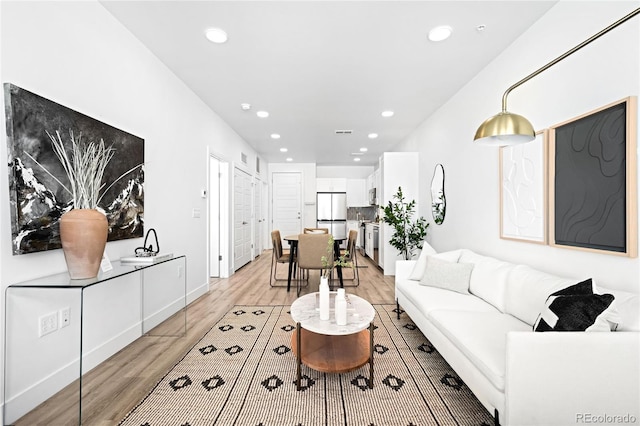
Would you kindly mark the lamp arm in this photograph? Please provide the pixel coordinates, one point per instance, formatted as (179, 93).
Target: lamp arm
(568, 53)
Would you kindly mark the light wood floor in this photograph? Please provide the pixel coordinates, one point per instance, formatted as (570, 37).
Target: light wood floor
(117, 385)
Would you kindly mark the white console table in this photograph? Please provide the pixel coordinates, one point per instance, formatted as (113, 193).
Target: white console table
(29, 359)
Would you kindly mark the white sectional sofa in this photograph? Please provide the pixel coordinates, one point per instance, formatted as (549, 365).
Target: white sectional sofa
(526, 377)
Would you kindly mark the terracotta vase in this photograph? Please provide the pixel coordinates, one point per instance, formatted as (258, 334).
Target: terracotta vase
(83, 233)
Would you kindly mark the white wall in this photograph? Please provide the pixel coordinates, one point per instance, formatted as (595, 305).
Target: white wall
(603, 72)
(77, 54)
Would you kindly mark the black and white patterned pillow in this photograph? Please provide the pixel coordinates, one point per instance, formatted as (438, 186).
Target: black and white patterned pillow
(577, 308)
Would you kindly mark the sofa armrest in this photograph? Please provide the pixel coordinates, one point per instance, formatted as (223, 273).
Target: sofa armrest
(567, 378)
(404, 269)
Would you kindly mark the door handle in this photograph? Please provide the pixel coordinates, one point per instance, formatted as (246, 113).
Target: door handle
(245, 223)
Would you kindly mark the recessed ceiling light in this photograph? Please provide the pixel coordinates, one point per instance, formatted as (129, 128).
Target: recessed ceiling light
(356, 159)
(289, 159)
(387, 113)
(262, 114)
(364, 149)
(245, 106)
(216, 35)
(283, 150)
(275, 136)
(372, 135)
(440, 33)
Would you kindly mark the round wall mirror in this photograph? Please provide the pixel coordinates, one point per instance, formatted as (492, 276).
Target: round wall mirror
(438, 200)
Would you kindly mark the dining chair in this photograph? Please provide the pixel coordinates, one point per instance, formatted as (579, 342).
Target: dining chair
(316, 230)
(311, 249)
(278, 256)
(350, 255)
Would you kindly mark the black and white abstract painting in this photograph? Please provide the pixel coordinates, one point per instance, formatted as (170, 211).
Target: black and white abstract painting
(37, 201)
(594, 197)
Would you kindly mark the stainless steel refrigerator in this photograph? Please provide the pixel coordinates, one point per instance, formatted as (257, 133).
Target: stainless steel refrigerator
(332, 213)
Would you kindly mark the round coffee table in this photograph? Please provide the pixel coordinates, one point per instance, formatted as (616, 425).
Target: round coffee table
(328, 347)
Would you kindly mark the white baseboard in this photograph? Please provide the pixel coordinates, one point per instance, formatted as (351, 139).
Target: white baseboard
(196, 293)
(19, 405)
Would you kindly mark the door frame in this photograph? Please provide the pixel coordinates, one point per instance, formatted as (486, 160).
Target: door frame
(224, 215)
(242, 169)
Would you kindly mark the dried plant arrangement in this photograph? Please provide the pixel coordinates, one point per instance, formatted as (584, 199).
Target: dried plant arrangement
(84, 166)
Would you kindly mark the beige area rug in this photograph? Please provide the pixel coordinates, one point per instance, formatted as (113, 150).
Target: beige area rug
(243, 373)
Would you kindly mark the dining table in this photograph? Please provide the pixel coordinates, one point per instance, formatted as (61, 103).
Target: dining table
(293, 247)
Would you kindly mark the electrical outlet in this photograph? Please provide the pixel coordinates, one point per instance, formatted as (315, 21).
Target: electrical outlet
(47, 324)
(65, 317)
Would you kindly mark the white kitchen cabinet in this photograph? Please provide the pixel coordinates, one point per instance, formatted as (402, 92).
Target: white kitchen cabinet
(331, 185)
(368, 240)
(357, 193)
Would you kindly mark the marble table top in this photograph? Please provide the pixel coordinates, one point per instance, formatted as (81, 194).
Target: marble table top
(305, 310)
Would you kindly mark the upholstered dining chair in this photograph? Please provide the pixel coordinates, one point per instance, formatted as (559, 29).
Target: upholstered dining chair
(278, 256)
(316, 230)
(311, 249)
(350, 255)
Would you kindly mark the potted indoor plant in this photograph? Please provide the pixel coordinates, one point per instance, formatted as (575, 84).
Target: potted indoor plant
(408, 234)
(83, 228)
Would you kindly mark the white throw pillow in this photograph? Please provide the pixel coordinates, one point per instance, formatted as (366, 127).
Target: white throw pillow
(447, 275)
(628, 307)
(421, 263)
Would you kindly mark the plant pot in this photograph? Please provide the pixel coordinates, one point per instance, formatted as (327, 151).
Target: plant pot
(83, 233)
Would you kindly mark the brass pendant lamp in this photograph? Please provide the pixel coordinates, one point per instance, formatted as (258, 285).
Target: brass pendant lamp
(506, 128)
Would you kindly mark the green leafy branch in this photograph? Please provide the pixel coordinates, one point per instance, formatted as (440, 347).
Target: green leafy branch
(408, 234)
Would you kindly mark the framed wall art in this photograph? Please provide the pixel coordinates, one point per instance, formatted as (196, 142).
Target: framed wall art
(523, 195)
(37, 198)
(593, 180)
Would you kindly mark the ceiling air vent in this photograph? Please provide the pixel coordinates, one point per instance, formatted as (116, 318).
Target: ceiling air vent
(344, 132)
(243, 157)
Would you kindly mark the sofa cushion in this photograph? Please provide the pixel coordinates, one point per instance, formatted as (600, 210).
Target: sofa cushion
(452, 276)
(421, 263)
(489, 277)
(528, 290)
(628, 306)
(430, 298)
(577, 308)
(481, 337)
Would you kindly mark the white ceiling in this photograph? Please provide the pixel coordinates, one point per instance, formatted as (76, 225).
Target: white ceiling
(319, 66)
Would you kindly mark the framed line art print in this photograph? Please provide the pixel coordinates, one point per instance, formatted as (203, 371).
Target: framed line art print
(593, 180)
(523, 193)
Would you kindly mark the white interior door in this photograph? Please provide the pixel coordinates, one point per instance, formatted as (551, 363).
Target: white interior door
(287, 203)
(214, 217)
(258, 219)
(242, 209)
